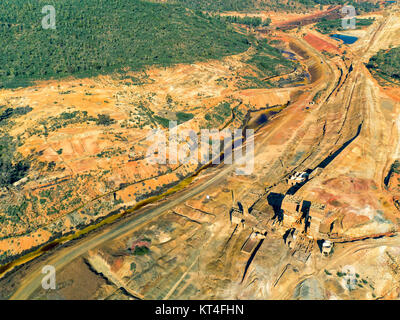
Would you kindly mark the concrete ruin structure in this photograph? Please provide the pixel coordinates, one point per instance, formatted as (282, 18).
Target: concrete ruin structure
(298, 177)
(297, 211)
(291, 206)
(316, 213)
(236, 213)
(237, 217)
(303, 246)
(259, 219)
(304, 221)
(290, 239)
(300, 243)
(327, 247)
(292, 211)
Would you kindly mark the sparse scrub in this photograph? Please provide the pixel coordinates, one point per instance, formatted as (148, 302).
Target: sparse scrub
(12, 166)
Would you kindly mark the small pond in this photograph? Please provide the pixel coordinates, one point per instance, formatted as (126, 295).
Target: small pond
(344, 38)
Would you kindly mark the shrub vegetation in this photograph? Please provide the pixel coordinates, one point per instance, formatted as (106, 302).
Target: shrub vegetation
(387, 64)
(101, 36)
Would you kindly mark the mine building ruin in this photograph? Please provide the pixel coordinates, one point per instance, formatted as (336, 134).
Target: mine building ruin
(316, 214)
(237, 217)
(259, 218)
(291, 206)
(298, 178)
(305, 221)
(327, 247)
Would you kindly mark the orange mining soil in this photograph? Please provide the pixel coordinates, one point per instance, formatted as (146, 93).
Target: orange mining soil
(321, 45)
(276, 17)
(309, 18)
(393, 93)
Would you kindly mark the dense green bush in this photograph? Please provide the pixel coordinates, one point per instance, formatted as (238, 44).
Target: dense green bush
(12, 166)
(386, 63)
(10, 112)
(269, 60)
(257, 5)
(104, 120)
(140, 251)
(183, 117)
(101, 36)
(328, 26)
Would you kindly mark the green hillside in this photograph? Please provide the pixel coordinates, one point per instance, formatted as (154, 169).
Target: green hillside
(101, 36)
(386, 64)
(328, 26)
(276, 5)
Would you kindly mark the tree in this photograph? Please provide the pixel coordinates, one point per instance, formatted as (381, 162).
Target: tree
(104, 120)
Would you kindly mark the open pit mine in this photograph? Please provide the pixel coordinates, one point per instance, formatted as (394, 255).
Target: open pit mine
(318, 215)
